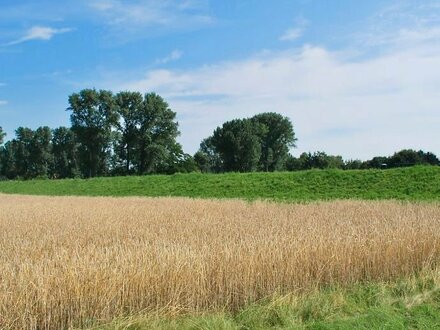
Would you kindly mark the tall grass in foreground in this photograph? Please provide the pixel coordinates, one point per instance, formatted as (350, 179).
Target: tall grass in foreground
(412, 302)
(71, 261)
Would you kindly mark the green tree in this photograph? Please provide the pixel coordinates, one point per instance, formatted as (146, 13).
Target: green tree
(429, 158)
(2, 136)
(238, 144)
(2, 152)
(129, 106)
(65, 153)
(406, 157)
(377, 162)
(207, 158)
(158, 130)
(93, 116)
(40, 153)
(276, 140)
(20, 152)
(353, 164)
(245, 145)
(187, 164)
(8, 160)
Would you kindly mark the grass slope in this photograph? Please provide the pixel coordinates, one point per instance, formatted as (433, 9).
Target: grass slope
(415, 183)
(410, 303)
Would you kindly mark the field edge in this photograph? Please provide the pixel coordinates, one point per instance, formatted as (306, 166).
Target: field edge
(409, 302)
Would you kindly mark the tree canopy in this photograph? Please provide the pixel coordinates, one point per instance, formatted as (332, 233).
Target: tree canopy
(2, 135)
(132, 133)
(244, 145)
(93, 115)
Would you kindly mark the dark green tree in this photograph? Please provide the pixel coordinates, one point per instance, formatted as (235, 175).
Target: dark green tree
(186, 164)
(93, 116)
(2, 153)
(429, 158)
(276, 140)
(376, 162)
(353, 164)
(238, 144)
(129, 106)
(406, 157)
(158, 130)
(40, 153)
(245, 145)
(8, 162)
(317, 159)
(207, 158)
(65, 153)
(20, 152)
(2, 136)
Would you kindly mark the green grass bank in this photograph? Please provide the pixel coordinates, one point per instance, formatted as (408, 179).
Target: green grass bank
(414, 184)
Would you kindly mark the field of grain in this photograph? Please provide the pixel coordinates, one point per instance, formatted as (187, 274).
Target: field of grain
(71, 261)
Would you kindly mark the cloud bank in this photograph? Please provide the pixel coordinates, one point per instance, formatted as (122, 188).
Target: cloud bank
(339, 104)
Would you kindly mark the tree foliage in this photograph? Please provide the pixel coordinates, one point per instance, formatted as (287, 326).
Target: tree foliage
(65, 153)
(245, 145)
(129, 107)
(126, 133)
(277, 137)
(158, 130)
(2, 135)
(93, 115)
(131, 133)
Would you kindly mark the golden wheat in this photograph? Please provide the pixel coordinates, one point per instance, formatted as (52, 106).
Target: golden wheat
(66, 261)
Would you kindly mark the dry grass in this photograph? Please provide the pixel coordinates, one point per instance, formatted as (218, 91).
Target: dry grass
(66, 261)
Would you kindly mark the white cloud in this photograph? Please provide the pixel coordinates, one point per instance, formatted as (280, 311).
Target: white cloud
(3, 102)
(141, 18)
(39, 33)
(173, 56)
(355, 103)
(102, 5)
(337, 104)
(292, 34)
(403, 24)
(295, 32)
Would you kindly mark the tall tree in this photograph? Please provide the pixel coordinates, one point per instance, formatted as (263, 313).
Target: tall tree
(258, 143)
(129, 107)
(65, 153)
(40, 153)
(158, 130)
(2, 152)
(276, 139)
(93, 115)
(207, 158)
(238, 144)
(21, 148)
(2, 136)
(429, 158)
(8, 160)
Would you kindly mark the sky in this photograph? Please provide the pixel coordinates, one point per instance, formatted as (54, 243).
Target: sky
(356, 78)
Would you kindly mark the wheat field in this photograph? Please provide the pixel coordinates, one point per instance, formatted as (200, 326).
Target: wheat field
(69, 261)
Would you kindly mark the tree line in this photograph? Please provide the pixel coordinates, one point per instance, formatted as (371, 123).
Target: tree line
(129, 133)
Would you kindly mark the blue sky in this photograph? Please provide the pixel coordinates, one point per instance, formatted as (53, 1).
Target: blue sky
(357, 78)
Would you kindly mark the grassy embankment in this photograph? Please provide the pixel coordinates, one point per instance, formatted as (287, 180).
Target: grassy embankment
(416, 183)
